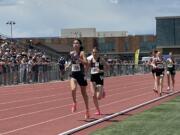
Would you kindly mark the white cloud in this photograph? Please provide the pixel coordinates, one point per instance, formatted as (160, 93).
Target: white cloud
(48, 17)
(11, 2)
(20, 2)
(114, 1)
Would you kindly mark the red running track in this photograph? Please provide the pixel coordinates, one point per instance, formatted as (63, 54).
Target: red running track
(45, 109)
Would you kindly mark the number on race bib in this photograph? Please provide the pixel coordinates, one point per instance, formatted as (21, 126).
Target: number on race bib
(169, 65)
(101, 77)
(160, 66)
(75, 67)
(97, 64)
(94, 70)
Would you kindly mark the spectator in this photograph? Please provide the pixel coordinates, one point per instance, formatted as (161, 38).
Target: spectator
(62, 67)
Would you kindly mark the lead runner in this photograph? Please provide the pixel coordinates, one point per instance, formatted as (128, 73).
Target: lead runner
(78, 62)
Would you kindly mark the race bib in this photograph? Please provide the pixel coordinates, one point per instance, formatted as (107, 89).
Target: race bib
(97, 64)
(75, 67)
(101, 77)
(160, 66)
(169, 65)
(94, 70)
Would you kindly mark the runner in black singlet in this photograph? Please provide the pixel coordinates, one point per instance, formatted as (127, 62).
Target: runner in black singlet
(153, 69)
(96, 64)
(77, 63)
(171, 71)
(158, 64)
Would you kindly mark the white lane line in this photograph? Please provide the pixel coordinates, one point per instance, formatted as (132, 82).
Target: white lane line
(32, 91)
(114, 115)
(111, 89)
(33, 84)
(51, 86)
(53, 108)
(28, 99)
(22, 100)
(61, 117)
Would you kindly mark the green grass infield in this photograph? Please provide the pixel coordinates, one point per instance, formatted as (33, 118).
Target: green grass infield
(161, 120)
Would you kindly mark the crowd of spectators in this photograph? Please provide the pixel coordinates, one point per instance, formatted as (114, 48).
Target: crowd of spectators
(23, 64)
(19, 64)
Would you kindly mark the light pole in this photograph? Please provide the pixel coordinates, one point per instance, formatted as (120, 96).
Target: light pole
(30, 46)
(11, 23)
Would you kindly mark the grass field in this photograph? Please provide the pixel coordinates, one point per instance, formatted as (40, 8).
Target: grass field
(160, 120)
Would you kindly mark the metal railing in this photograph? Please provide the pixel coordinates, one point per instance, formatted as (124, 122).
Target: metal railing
(11, 74)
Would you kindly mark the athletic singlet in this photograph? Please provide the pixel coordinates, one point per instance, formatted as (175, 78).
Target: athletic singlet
(150, 61)
(170, 63)
(76, 65)
(96, 66)
(159, 63)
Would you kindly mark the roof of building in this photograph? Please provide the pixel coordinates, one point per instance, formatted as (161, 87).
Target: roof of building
(168, 17)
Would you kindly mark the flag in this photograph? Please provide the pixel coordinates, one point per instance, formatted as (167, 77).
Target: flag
(136, 60)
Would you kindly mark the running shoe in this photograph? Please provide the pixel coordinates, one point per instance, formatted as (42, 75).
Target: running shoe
(156, 91)
(168, 89)
(98, 112)
(171, 90)
(87, 115)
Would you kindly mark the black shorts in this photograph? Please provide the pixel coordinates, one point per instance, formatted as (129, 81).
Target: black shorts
(98, 78)
(172, 71)
(61, 67)
(153, 71)
(159, 72)
(80, 78)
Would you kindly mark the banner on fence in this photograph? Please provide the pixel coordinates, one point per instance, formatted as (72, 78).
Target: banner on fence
(136, 60)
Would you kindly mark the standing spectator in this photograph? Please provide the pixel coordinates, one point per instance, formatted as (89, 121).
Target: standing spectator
(62, 67)
(34, 69)
(40, 68)
(45, 74)
(23, 69)
(1, 72)
(30, 64)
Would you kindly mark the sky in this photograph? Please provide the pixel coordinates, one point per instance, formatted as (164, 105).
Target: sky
(46, 18)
